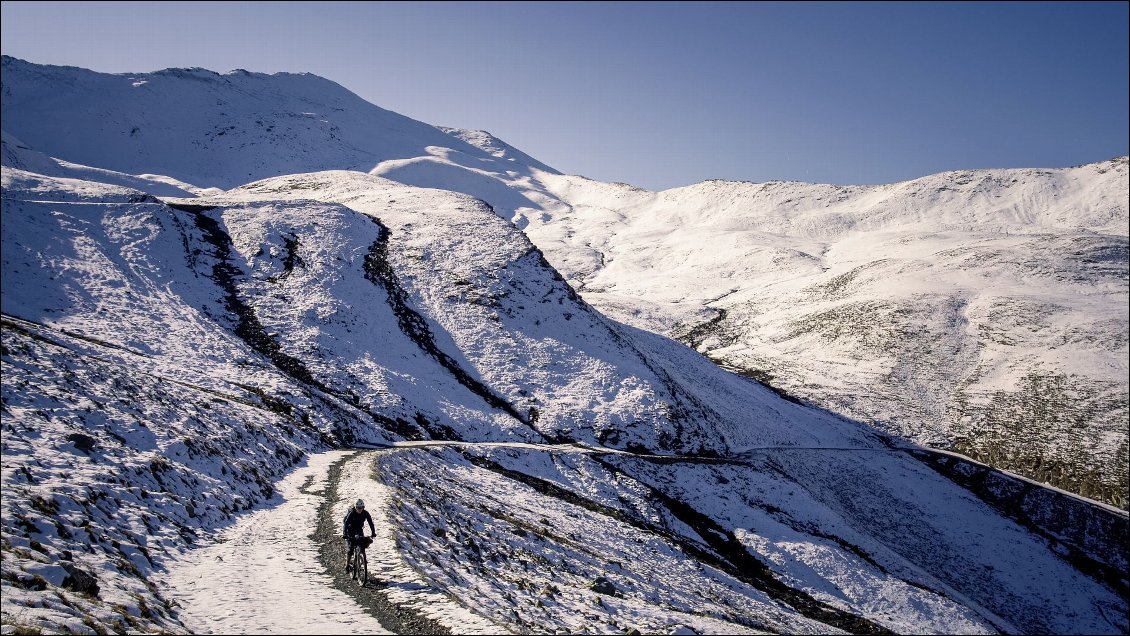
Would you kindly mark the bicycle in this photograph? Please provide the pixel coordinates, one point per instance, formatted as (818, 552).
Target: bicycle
(359, 567)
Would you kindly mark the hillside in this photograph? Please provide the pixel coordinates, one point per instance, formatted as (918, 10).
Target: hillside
(199, 348)
(207, 129)
(175, 355)
(979, 311)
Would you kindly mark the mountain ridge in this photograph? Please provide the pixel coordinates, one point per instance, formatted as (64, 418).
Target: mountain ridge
(784, 280)
(249, 125)
(168, 360)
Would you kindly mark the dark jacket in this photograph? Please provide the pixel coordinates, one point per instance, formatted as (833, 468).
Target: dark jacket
(355, 523)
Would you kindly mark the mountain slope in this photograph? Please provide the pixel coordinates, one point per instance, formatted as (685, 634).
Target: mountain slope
(327, 308)
(934, 309)
(199, 348)
(166, 361)
(496, 147)
(961, 291)
(204, 128)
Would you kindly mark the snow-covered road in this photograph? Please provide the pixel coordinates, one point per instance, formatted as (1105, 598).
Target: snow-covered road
(456, 532)
(263, 576)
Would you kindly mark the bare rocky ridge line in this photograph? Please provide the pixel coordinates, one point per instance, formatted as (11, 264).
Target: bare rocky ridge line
(379, 272)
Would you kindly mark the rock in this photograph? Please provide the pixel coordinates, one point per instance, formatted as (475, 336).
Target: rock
(32, 582)
(84, 443)
(602, 585)
(80, 580)
(549, 590)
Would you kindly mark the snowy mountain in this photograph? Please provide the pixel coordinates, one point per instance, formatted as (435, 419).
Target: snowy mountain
(175, 367)
(983, 311)
(979, 311)
(496, 147)
(226, 129)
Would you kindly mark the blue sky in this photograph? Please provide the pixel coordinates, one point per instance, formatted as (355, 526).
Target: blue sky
(667, 94)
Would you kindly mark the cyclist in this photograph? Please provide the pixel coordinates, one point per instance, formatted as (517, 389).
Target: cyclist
(354, 529)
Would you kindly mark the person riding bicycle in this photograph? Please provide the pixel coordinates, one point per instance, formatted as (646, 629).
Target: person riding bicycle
(354, 529)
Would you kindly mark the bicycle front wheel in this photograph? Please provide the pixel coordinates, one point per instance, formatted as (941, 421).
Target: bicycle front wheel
(362, 568)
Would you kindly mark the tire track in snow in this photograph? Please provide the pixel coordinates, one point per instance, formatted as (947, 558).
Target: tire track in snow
(395, 594)
(263, 575)
(268, 574)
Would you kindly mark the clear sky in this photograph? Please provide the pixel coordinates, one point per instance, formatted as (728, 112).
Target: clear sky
(667, 94)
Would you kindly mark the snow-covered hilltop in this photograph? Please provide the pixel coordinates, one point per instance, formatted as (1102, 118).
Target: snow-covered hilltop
(294, 289)
(984, 311)
(981, 311)
(207, 129)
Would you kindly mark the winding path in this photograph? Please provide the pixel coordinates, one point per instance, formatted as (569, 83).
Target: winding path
(263, 575)
(276, 571)
(279, 569)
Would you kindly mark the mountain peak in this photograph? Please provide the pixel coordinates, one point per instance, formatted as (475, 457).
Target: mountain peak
(495, 147)
(208, 129)
(168, 361)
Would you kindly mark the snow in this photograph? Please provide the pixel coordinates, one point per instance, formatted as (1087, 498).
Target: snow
(962, 289)
(18, 155)
(834, 294)
(181, 373)
(496, 147)
(405, 586)
(262, 575)
(204, 128)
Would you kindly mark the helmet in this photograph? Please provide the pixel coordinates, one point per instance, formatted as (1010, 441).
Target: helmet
(360, 504)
